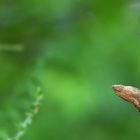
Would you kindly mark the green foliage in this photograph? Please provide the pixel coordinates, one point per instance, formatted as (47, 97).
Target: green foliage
(74, 50)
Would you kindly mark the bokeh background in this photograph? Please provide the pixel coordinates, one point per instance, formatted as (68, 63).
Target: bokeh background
(74, 50)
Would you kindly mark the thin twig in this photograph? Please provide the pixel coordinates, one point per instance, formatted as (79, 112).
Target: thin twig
(29, 116)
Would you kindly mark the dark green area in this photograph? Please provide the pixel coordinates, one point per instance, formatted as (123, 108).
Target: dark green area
(74, 50)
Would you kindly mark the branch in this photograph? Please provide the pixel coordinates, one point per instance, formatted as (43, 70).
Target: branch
(129, 94)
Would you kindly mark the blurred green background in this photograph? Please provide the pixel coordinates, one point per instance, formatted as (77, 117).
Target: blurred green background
(74, 50)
